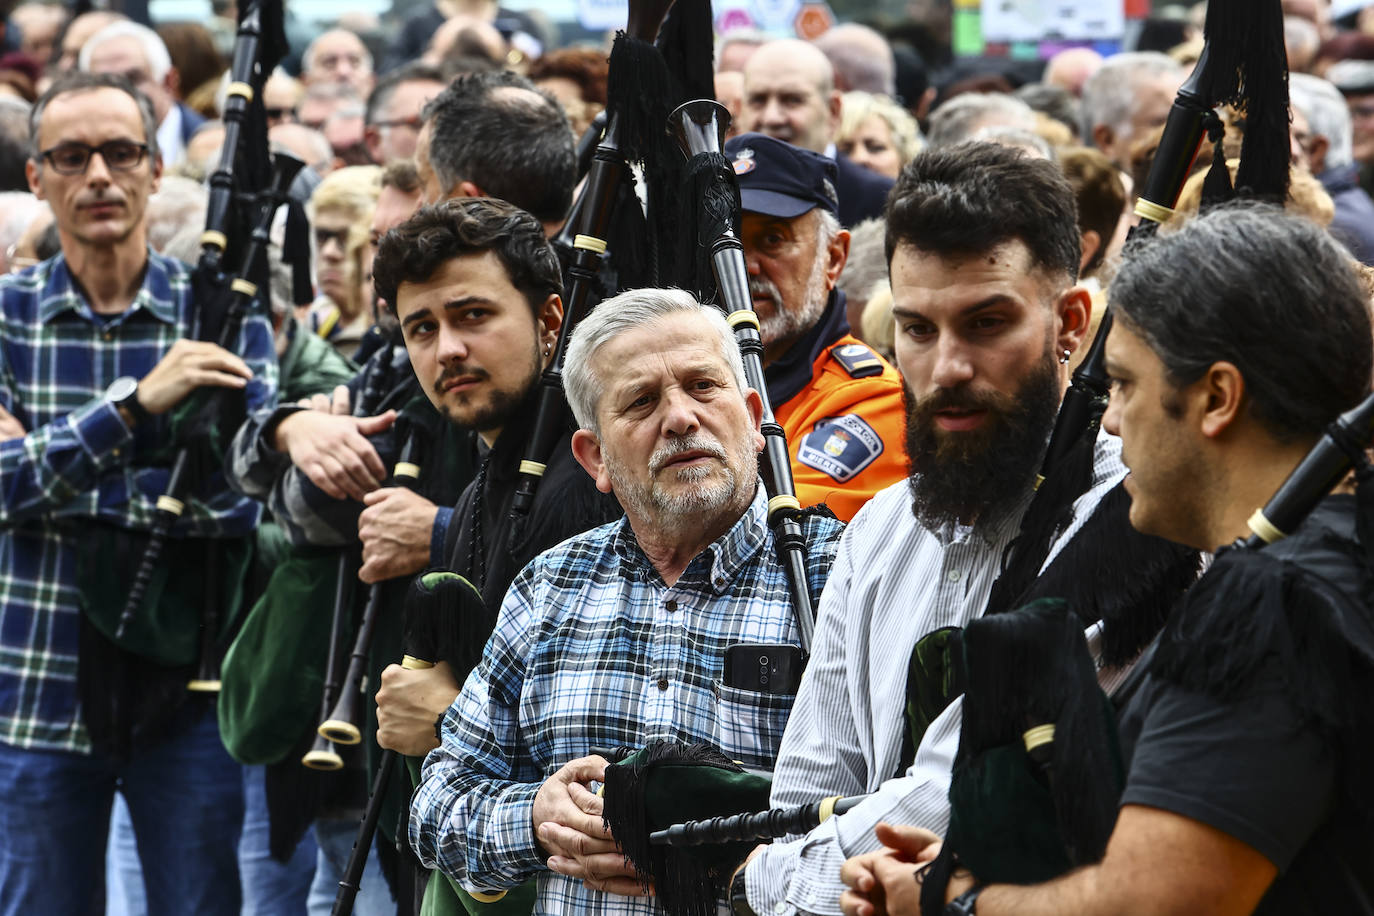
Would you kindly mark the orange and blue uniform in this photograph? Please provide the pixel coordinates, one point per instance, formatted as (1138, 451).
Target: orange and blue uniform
(840, 404)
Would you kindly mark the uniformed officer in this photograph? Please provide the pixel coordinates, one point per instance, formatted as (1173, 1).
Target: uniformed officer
(839, 402)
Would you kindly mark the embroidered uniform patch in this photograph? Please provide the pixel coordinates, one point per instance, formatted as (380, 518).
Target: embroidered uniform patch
(858, 360)
(840, 447)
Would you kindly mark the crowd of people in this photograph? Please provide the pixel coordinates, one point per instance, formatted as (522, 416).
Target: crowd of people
(930, 245)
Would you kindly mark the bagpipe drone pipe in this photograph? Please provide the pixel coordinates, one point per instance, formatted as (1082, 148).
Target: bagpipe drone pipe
(436, 606)
(245, 193)
(668, 782)
(607, 187)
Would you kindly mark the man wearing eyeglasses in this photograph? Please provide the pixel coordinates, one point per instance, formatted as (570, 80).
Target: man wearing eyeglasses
(393, 117)
(94, 355)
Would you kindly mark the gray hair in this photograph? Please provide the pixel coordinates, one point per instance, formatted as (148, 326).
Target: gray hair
(1027, 140)
(1109, 94)
(745, 36)
(1301, 35)
(1327, 115)
(628, 311)
(17, 210)
(84, 82)
(178, 204)
(154, 48)
(867, 262)
(964, 115)
(861, 57)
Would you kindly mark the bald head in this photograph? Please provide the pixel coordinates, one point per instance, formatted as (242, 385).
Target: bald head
(861, 57)
(789, 94)
(1070, 69)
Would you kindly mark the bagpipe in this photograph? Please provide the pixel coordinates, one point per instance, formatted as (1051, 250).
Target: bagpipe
(343, 724)
(608, 180)
(245, 193)
(323, 755)
(699, 127)
(435, 606)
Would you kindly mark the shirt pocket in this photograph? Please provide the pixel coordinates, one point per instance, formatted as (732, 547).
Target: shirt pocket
(751, 723)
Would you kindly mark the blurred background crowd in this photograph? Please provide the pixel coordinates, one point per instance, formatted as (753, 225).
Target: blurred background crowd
(1088, 88)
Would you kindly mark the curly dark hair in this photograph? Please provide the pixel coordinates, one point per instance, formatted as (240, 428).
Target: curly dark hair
(434, 235)
(969, 198)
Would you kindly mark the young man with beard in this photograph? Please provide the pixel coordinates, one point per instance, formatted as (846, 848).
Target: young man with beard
(618, 636)
(838, 402)
(1236, 341)
(476, 288)
(983, 250)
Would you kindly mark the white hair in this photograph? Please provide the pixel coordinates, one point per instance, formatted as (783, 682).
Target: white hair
(1327, 115)
(964, 115)
(1109, 94)
(629, 310)
(154, 49)
(17, 210)
(178, 204)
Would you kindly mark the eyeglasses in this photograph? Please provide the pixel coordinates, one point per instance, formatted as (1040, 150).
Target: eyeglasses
(412, 123)
(73, 158)
(280, 114)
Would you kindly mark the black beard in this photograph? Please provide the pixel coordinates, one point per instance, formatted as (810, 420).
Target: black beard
(961, 477)
(501, 408)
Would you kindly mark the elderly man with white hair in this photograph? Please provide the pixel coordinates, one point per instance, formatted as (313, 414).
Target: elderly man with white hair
(619, 636)
(1128, 96)
(137, 53)
(1321, 140)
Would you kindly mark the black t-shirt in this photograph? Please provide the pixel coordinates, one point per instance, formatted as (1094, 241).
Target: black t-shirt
(1254, 769)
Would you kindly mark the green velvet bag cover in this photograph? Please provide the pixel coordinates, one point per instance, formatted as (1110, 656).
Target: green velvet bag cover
(1002, 819)
(668, 783)
(933, 680)
(166, 627)
(273, 673)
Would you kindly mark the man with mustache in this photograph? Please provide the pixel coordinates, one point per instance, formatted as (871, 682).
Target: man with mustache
(95, 354)
(618, 636)
(1244, 735)
(838, 401)
(983, 251)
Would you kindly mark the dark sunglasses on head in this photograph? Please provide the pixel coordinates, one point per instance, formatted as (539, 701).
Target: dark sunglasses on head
(72, 158)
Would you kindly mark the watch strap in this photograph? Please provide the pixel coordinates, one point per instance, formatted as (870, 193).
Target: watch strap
(134, 407)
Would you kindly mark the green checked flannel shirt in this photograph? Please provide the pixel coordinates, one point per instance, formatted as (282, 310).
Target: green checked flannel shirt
(78, 461)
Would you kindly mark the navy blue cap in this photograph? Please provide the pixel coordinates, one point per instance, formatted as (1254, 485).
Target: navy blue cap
(779, 179)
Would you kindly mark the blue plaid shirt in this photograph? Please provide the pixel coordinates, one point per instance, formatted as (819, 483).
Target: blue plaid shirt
(79, 461)
(593, 649)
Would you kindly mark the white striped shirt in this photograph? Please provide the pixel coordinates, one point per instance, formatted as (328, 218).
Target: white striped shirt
(893, 582)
